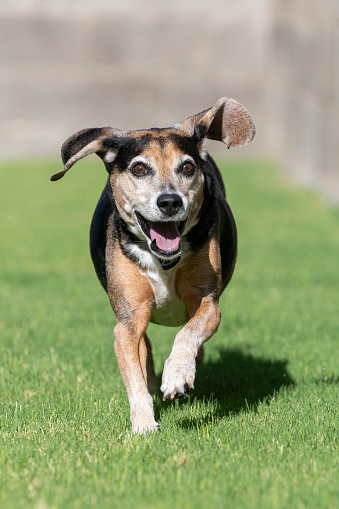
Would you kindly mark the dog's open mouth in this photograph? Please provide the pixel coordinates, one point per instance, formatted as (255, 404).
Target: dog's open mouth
(165, 235)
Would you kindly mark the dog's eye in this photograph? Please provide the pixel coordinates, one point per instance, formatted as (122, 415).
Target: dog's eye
(187, 168)
(140, 169)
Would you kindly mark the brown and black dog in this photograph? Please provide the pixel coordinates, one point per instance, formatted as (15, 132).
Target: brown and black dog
(163, 241)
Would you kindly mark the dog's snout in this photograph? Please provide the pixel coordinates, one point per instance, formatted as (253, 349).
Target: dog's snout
(169, 204)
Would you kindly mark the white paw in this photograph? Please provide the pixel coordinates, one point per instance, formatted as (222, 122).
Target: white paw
(178, 377)
(142, 427)
(143, 421)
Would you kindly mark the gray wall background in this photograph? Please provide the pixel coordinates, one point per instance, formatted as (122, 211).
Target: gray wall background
(66, 65)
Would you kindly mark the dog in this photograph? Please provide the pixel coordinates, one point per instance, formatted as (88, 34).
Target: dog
(163, 242)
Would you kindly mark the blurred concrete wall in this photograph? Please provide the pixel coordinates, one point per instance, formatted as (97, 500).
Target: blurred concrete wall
(303, 91)
(70, 64)
(129, 64)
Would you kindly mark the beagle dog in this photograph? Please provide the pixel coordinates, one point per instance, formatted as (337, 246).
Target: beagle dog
(163, 242)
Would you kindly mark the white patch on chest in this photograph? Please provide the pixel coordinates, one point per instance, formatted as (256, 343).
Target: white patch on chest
(169, 308)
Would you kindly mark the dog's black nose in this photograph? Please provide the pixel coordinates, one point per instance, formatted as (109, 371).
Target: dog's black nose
(169, 204)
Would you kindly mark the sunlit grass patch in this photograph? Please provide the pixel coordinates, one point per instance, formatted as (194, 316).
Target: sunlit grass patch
(260, 428)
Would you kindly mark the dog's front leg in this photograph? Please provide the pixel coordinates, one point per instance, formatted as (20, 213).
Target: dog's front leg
(199, 284)
(132, 299)
(179, 370)
(127, 346)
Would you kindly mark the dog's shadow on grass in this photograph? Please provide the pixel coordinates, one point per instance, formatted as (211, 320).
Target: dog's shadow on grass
(234, 382)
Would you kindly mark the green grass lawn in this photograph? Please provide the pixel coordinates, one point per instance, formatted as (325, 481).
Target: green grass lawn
(259, 430)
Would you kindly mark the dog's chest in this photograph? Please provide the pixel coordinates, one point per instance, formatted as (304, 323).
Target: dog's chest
(169, 309)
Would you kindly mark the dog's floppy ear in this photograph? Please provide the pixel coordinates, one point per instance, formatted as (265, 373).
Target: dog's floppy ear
(86, 142)
(228, 121)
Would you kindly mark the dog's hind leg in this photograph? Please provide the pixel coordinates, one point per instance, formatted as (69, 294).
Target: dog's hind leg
(147, 365)
(201, 355)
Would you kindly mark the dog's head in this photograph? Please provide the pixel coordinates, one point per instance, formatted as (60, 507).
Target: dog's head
(156, 175)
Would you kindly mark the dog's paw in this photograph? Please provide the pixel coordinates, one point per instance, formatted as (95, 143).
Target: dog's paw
(177, 378)
(144, 428)
(142, 418)
(142, 424)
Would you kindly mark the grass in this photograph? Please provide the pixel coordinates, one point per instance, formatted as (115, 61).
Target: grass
(260, 428)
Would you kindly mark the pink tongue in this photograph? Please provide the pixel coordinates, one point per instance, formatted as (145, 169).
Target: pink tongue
(166, 235)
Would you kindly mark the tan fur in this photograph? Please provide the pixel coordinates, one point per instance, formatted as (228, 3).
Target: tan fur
(132, 298)
(130, 293)
(200, 276)
(199, 284)
(228, 121)
(163, 160)
(139, 288)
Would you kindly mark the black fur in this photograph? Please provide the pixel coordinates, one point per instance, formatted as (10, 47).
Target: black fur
(215, 214)
(98, 234)
(199, 133)
(128, 148)
(79, 140)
